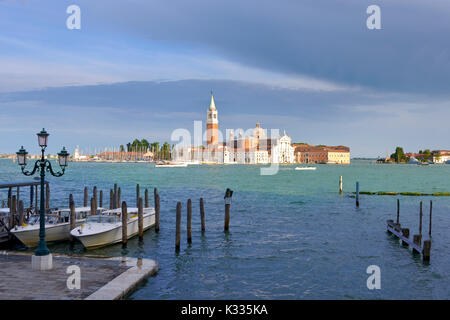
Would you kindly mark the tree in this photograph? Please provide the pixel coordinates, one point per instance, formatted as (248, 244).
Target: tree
(145, 144)
(427, 155)
(399, 155)
(128, 147)
(122, 149)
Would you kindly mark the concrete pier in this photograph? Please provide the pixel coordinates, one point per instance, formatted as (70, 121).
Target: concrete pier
(100, 278)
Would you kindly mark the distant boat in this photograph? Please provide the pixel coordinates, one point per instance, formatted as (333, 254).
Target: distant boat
(305, 168)
(413, 160)
(163, 164)
(423, 164)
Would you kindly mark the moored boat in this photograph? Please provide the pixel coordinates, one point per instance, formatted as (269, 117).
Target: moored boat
(170, 164)
(105, 229)
(305, 168)
(57, 226)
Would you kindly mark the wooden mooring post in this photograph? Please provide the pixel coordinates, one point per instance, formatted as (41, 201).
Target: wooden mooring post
(119, 196)
(20, 212)
(100, 204)
(398, 211)
(188, 223)
(156, 196)
(124, 224)
(178, 227)
(431, 213)
(357, 194)
(202, 214)
(12, 213)
(86, 195)
(93, 211)
(94, 193)
(137, 194)
(403, 234)
(228, 195)
(146, 198)
(141, 219)
(340, 185)
(111, 199)
(72, 217)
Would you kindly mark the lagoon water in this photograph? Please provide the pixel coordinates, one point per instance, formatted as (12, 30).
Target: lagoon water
(292, 236)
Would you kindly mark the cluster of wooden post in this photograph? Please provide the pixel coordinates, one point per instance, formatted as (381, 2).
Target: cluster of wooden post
(17, 211)
(124, 216)
(417, 238)
(228, 195)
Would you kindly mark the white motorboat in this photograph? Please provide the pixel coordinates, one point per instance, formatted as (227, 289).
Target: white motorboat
(305, 168)
(105, 229)
(57, 226)
(170, 164)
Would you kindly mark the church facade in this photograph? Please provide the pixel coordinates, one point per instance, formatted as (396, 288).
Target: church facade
(253, 148)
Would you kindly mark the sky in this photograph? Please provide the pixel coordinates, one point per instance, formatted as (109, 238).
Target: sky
(141, 69)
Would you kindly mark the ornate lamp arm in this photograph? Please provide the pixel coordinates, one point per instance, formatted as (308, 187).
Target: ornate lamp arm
(50, 169)
(28, 173)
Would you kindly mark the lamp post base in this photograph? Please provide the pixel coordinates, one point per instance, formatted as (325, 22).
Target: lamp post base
(42, 263)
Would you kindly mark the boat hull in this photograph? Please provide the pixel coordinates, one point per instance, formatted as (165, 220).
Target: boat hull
(114, 235)
(57, 232)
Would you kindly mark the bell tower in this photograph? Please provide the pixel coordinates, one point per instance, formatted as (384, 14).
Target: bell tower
(212, 124)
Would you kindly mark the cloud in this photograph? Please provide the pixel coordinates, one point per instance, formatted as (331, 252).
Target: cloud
(112, 114)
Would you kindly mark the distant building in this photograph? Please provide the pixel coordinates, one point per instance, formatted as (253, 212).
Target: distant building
(322, 154)
(441, 156)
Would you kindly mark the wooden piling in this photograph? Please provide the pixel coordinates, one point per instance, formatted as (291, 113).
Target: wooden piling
(94, 193)
(417, 240)
(340, 185)
(178, 227)
(124, 224)
(47, 196)
(189, 219)
(156, 195)
(420, 219)
(101, 199)
(111, 199)
(12, 213)
(202, 214)
(146, 198)
(431, 213)
(405, 233)
(141, 219)
(9, 197)
(20, 212)
(92, 206)
(227, 217)
(137, 194)
(398, 211)
(31, 196)
(3, 203)
(119, 196)
(357, 194)
(426, 252)
(72, 218)
(86, 195)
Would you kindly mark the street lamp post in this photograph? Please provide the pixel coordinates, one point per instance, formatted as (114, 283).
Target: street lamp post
(42, 259)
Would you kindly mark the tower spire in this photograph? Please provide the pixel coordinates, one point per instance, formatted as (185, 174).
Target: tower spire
(212, 106)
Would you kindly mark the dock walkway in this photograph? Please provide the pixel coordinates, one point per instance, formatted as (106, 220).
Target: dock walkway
(104, 279)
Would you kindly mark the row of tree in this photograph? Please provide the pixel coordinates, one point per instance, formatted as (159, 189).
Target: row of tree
(425, 155)
(160, 151)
